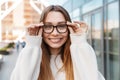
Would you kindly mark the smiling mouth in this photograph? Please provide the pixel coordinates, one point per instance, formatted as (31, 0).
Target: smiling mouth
(55, 40)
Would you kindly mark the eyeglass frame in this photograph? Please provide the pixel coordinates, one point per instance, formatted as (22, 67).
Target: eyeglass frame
(56, 29)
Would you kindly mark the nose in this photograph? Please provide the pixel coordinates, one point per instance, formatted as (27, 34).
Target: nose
(55, 32)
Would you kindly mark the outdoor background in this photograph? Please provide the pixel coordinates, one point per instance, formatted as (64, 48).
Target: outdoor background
(102, 16)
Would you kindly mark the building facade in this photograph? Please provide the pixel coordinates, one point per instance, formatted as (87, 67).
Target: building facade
(103, 18)
(14, 24)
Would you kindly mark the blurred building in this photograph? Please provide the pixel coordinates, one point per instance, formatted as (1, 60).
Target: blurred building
(102, 16)
(14, 24)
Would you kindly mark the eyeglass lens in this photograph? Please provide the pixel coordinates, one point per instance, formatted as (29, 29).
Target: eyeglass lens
(61, 28)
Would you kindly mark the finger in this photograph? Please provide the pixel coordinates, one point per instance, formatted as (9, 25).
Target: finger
(40, 32)
(39, 25)
(33, 29)
(71, 30)
(73, 25)
(35, 25)
(38, 28)
(83, 25)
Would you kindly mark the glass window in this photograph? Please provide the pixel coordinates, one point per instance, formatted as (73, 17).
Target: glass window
(87, 19)
(77, 3)
(87, 0)
(76, 19)
(97, 38)
(110, 0)
(92, 5)
(68, 6)
(113, 36)
(76, 12)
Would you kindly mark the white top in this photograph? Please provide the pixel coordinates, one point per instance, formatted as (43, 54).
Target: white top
(83, 58)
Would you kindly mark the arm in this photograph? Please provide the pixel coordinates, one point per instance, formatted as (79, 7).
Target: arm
(83, 55)
(28, 63)
(83, 58)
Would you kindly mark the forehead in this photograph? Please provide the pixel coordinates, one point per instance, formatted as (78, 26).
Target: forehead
(55, 17)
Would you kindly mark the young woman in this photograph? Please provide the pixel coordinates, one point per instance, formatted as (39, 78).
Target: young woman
(56, 49)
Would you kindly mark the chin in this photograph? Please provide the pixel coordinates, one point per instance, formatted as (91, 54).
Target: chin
(55, 46)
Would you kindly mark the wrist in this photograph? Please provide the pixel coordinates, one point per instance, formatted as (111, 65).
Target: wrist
(78, 38)
(33, 40)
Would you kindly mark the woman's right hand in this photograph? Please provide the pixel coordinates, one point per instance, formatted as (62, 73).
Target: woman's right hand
(35, 29)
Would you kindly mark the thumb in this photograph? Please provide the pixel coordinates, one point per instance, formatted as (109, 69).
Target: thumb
(40, 32)
(71, 30)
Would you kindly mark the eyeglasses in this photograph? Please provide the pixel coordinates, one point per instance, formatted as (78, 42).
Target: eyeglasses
(61, 28)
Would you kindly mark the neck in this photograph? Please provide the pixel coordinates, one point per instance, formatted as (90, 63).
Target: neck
(55, 51)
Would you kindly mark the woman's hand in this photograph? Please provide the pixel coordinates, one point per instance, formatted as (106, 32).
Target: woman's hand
(35, 29)
(77, 27)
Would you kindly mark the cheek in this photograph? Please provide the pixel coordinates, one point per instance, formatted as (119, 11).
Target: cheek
(45, 34)
(66, 35)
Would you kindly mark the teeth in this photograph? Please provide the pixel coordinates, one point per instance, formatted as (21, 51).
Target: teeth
(55, 40)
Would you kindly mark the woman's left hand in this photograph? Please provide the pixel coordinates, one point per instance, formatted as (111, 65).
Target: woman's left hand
(77, 27)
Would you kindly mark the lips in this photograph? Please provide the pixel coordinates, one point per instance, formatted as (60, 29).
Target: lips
(55, 40)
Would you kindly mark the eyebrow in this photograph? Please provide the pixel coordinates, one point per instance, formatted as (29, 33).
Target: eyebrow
(62, 22)
(57, 23)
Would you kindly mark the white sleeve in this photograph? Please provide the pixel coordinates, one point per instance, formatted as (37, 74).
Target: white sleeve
(100, 76)
(28, 63)
(83, 58)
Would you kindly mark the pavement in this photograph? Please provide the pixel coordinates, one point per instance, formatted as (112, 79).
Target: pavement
(8, 64)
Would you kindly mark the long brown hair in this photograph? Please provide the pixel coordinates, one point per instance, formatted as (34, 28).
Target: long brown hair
(45, 70)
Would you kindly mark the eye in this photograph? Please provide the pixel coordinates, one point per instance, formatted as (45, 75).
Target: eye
(48, 27)
(62, 26)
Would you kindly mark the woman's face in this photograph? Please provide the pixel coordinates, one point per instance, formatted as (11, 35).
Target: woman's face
(55, 39)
